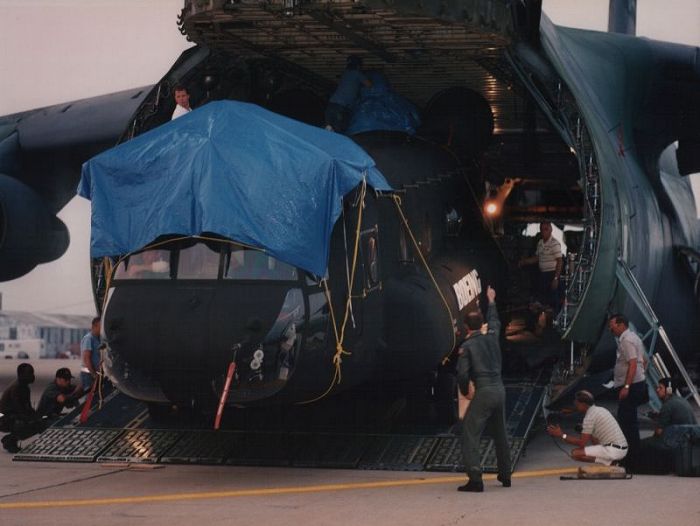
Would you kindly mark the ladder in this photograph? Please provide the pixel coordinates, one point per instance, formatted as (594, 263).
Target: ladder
(657, 366)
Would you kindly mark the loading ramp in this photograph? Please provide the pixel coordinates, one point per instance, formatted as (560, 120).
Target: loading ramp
(136, 441)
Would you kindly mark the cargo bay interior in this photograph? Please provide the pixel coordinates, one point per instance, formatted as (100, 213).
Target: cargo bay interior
(505, 125)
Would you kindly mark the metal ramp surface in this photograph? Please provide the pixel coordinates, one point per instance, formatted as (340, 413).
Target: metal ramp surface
(140, 446)
(69, 445)
(401, 452)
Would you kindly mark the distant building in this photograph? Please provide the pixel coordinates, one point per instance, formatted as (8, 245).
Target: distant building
(61, 333)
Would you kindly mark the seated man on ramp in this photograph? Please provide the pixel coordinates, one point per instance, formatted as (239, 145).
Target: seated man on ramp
(656, 452)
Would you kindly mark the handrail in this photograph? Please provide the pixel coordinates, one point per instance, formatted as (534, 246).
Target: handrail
(635, 292)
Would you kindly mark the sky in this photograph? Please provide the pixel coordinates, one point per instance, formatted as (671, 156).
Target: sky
(54, 51)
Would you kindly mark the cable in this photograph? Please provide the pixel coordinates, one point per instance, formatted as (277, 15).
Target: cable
(65, 483)
(561, 448)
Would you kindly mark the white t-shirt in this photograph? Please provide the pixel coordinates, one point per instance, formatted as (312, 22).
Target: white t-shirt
(548, 253)
(601, 425)
(629, 347)
(179, 112)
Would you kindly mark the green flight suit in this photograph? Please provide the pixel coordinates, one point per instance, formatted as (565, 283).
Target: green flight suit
(480, 362)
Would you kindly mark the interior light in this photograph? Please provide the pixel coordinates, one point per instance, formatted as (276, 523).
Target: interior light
(491, 208)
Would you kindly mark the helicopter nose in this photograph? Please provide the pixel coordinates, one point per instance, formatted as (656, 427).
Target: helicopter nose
(185, 336)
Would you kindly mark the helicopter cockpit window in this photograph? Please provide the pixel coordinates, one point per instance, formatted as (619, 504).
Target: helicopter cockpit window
(453, 221)
(405, 255)
(243, 264)
(370, 258)
(150, 264)
(426, 244)
(198, 262)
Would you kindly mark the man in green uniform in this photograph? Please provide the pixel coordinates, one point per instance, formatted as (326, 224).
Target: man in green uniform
(480, 362)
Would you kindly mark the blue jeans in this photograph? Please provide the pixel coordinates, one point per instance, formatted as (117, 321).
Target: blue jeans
(86, 381)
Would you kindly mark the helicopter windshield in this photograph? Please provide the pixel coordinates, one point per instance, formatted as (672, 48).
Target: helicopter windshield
(204, 261)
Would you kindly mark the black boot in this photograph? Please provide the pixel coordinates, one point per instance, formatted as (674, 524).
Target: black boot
(9, 442)
(472, 485)
(504, 480)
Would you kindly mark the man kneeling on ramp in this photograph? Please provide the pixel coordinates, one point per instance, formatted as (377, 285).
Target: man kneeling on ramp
(600, 428)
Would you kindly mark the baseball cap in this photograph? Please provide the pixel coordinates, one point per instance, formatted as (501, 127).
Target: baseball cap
(64, 373)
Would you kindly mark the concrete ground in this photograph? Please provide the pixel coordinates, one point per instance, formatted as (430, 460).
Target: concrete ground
(76, 494)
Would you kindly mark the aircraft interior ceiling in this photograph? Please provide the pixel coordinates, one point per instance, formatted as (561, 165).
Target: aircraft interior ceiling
(420, 56)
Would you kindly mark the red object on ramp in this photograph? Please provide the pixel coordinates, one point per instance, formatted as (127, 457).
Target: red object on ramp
(88, 402)
(224, 394)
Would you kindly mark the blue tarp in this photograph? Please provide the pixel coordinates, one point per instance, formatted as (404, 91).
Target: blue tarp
(379, 108)
(233, 169)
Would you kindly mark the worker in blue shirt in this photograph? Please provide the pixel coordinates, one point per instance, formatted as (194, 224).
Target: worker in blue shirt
(90, 354)
(341, 102)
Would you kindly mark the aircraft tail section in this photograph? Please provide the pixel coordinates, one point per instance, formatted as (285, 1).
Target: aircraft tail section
(622, 16)
(623, 111)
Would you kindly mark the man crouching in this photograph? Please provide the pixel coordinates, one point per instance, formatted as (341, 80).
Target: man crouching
(600, 428)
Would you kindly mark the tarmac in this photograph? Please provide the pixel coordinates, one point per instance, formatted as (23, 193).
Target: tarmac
(76, 494)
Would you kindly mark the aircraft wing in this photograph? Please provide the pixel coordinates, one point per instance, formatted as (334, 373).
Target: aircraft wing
(41, 153)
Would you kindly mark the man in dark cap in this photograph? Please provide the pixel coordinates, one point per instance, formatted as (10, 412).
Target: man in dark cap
(19, 418)
(59, 394)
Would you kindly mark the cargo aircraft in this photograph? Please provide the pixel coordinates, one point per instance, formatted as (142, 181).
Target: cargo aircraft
(544, 123)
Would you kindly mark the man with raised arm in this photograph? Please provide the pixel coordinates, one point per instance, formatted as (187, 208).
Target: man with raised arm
(480, 362)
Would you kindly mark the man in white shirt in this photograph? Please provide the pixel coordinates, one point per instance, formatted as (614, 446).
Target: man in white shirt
(599, 427)
(629, 378)
(548, 258)
(182, 99)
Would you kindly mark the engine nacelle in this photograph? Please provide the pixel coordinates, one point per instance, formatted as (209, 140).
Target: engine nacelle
(29, 233)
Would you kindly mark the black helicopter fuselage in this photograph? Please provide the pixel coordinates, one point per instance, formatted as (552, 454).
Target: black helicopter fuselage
(172, 333)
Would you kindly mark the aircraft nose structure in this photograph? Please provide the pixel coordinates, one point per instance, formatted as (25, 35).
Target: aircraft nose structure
(173, 338)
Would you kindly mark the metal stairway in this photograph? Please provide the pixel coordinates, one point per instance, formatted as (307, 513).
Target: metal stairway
(657, 368)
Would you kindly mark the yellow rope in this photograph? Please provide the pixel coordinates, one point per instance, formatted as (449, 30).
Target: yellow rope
(338, 349)
(107, 270)
(100, 397)
(339, 338)
(397, 202)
